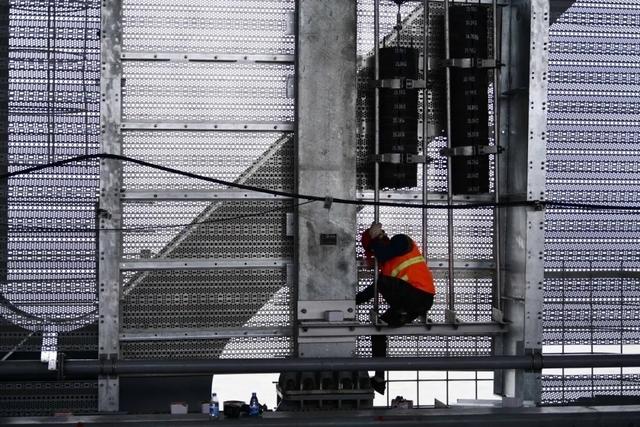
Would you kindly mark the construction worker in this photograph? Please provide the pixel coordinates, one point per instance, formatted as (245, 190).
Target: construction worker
(405, 282)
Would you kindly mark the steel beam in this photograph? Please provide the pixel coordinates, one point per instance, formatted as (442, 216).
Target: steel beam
(210, 126)
(351, 329)
(202, 195)
(200, 334)
(201, 264)
(206, 57)
(417, 196)
(92, 368)
(591, 274)
(110, 212)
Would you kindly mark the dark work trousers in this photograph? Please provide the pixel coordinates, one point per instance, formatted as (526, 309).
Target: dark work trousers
(406, 303)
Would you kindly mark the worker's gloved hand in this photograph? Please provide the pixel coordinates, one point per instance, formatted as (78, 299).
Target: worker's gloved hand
(376, 231)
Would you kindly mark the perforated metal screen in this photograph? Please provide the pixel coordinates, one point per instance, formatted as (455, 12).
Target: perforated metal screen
(591, 297)
(53, 114)
(48, 287)
(163, 88)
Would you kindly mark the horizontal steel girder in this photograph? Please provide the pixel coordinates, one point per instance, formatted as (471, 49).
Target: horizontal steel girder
(92, 368)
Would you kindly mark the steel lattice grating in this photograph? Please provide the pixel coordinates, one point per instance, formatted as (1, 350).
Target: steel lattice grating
(592, 157)
(216, 299)
(216, 154)
(44, 398)
(431, 346)
(202, 26)
(53, 114)
(233, 348)
(561, 389)
(199, 91)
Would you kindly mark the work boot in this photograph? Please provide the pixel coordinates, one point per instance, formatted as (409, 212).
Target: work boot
(378, 384)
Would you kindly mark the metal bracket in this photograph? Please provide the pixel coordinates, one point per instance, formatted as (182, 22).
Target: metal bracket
(60, 366)
(497, 315)
(402, 158)
(450, 317)
(472, 63)
(291, 87)
(402, 84)
(536, 359)
(471, 150)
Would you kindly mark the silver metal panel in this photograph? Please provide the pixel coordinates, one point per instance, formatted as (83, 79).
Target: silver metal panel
(326, 155)
(110, 213)
(234, 348)
(51, 69)
(221, 298)
(208, 264)
(202, 26)
(347, 329)
(591, 259)
(174, 334)
(202, 91)
(206, 57)
(199, 195)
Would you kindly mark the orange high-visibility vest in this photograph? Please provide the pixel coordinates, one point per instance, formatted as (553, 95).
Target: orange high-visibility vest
(410, 267)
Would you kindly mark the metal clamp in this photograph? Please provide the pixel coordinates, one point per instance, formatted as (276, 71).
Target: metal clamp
(472, 63)
(471, 150)
(401, 84)
(402, 158)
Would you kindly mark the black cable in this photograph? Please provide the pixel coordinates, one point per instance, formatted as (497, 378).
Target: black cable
(538, 203)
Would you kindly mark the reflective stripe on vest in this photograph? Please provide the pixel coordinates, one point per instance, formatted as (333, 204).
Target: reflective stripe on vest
(412, 268)
(405, 264)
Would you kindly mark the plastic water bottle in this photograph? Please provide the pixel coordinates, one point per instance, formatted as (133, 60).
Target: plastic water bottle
(254, 406)
(214, 407)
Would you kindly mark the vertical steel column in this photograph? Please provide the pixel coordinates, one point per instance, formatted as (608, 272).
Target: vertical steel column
(376, 136)
(110, 216)
(450, 312)
(526, 122)
(326, 164)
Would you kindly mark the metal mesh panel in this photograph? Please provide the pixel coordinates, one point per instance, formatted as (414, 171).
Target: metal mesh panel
(220, 155)
(249, 26)
(216, 298)
(53, 114)
(432, 346)
(49, 286)
(207, 231)
(560, 389)
(194, 91)
(45, 398)
(235, 348)
(592, 157)
(221, 234)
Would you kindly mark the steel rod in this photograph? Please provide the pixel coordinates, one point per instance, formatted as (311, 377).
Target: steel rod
(425, 123)
(93, 368)
(450, 293)
(496, 141)
(376, 143)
